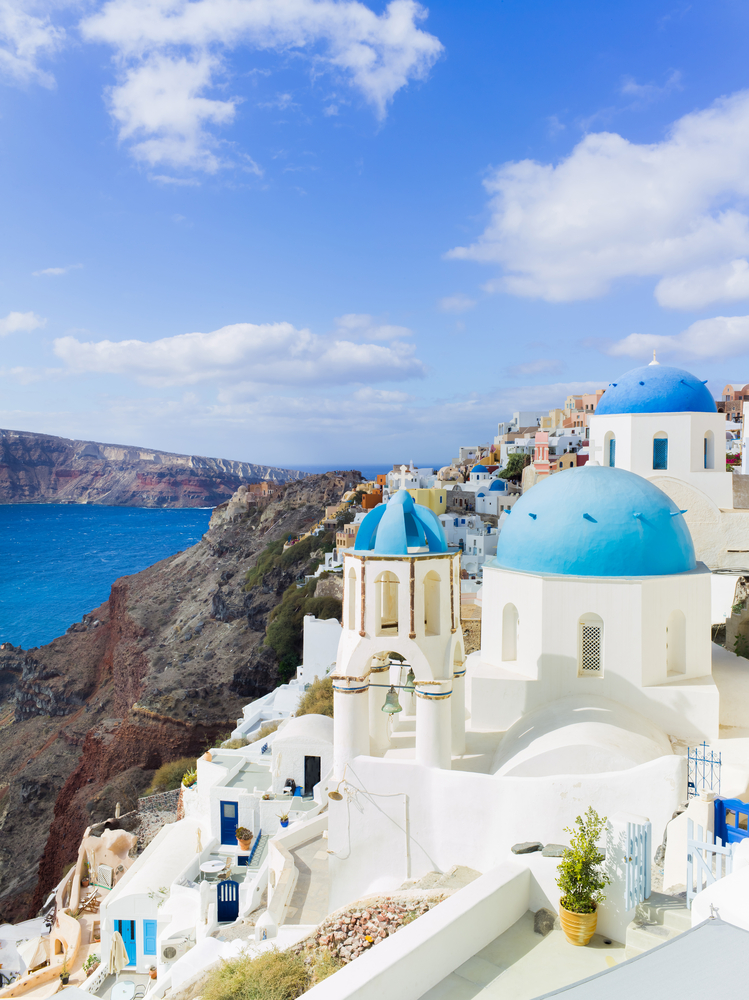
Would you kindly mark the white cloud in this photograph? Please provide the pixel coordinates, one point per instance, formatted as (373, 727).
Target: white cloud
(549, 365)
(330, 111)
(246, 356)
(719, 337)
(362, 326)
(168, 53)
(646, 93)
(697, 289)
(456, 303)
(56, 271)
(615, 209)
(26, 37)
(16, 322)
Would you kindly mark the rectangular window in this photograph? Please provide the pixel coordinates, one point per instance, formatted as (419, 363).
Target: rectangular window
(590, 649)
(660, 453)
(612, 452)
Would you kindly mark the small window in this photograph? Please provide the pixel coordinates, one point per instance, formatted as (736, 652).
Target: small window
(590, 642)
(510, 623)
(660, 451)
(709, 450)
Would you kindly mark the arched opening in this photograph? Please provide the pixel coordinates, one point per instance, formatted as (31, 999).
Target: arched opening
(386, 603)
(351, 599)
(590, 646)
(510, 622)
(432, 603)
(660, 450)
(709, 450)
(609, 449)
(676, 643)
(58, 947)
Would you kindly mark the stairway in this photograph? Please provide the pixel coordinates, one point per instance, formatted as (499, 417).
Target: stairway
(259, 855)
(659, 919)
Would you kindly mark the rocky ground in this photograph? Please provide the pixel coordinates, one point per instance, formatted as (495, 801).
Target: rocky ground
(42, 468)
(154, 674)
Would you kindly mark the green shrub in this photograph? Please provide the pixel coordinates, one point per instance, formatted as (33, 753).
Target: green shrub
(285, 626)
(273, 975)
(169, 776)
(579, 875)
(273, 556)
(318, 700)
(189, 777)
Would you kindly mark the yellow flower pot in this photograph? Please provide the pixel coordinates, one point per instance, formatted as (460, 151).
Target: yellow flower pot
(579, 928)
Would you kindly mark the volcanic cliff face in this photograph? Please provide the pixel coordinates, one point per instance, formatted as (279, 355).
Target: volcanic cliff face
(41, 468)
(161, 668)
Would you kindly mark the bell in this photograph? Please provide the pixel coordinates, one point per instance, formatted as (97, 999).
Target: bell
(392, 705)
(409, 687)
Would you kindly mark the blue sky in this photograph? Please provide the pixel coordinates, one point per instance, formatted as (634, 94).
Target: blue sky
(307, 232)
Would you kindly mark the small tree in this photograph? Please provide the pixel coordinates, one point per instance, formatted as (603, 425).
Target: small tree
(515, 465)
(579, 875)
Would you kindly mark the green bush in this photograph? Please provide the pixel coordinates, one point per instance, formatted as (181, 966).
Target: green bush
(515, 465)
(579, 875)
(169, 776)
(273, 975)
(318, 700)
(285, 626)
(273, 556)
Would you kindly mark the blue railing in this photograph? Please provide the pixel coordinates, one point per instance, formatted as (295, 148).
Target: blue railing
(254, 848)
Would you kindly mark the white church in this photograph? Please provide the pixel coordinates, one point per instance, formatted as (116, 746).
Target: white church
(596, 669)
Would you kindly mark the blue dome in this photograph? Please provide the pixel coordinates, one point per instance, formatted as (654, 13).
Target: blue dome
(481, 494)
(479, 468)
(498, 486)
(400, 528)
(657, 389)
(595, 521)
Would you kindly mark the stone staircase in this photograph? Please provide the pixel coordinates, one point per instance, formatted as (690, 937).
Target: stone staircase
(659, 919)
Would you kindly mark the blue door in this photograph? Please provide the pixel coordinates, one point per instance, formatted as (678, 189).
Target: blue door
(127, 930)
(227, 910)
(731, 820)
(229, 822)
(149, 937)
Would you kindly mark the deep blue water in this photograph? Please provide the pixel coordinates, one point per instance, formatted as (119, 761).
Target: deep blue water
(59, 561)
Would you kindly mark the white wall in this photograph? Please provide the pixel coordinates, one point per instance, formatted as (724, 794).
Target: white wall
(440, 818)
(635, 613)
(320, 645)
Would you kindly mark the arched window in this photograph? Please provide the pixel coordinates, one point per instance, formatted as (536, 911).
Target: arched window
(590, 646)
(510, 623)
(432, 604)
(351, 598)
(709, 450)
(386, 603)
(660, 450)
(676, 643)
(609, 449)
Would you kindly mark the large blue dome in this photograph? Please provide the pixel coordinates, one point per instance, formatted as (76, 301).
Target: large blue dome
(595, 521)
(400, 527)
(657, 388)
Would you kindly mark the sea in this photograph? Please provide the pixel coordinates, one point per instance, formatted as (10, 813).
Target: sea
(59, 561)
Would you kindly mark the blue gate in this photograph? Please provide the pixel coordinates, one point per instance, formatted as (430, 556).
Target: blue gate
(731, 820)
(126, 929)
(227, 910)
(229, 822)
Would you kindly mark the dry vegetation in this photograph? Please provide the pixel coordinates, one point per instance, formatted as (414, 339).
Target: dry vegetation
(273, 975)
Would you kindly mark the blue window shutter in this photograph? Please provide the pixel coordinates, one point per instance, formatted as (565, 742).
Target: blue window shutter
(660, 453)
(149, 937)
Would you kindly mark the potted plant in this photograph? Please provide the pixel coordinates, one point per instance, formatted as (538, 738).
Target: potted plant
(91, 964)
(284, 817)
(64, 972)
(581, 879)
(244, 837)
(152, 972)
(84, 874)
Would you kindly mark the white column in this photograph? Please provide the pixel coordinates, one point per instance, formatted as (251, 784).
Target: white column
(379, 673)
(433, 724)
(458, 710)
(350, 721)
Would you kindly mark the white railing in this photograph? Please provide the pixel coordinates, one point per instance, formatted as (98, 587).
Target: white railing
(706, 861)
(96, 980)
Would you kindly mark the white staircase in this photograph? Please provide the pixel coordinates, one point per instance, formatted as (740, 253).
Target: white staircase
(660, 918)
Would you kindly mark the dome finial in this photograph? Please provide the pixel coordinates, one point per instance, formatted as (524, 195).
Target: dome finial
(655, 360)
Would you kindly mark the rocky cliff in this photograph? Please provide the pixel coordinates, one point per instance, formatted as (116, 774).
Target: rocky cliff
(152, 675)
(41, 468)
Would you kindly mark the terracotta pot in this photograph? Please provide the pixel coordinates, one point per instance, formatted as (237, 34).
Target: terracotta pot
(153, 973)
(579, 928)
(244, 845)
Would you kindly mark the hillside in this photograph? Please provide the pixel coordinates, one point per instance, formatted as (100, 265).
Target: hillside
(152, 675)
(42, 468)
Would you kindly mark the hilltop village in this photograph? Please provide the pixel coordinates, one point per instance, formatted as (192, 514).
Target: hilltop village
(514, 764)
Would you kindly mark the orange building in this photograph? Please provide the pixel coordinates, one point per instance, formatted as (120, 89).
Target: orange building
(346, 536)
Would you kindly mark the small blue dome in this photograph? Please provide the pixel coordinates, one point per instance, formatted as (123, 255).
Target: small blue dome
(481, 494)
(498, 486)
(479, 468)
(400, 527)
(657, 389)
(595, 521)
